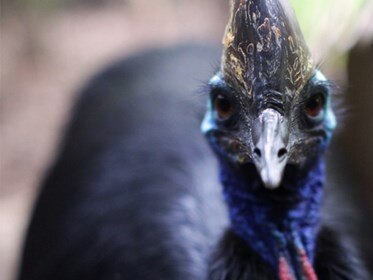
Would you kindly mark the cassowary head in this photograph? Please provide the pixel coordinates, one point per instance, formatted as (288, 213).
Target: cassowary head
(269, 105)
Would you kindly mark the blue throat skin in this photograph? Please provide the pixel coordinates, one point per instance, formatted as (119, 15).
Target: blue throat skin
(279, 222)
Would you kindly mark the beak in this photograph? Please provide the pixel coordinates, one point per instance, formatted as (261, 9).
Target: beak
(270, 151)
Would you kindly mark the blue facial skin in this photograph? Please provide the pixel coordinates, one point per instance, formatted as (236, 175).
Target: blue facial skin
(257, 215)
(284, 220)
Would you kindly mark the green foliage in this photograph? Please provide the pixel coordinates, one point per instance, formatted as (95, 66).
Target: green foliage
(321, 16)
(329, 27)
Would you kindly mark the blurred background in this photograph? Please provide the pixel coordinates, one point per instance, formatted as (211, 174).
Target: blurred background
(50, 49)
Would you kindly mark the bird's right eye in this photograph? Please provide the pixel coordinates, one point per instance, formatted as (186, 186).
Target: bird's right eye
(223, 107)
(315, 105)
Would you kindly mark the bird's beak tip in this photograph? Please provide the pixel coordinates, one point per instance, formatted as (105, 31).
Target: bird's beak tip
(270, 153)
(271, 180)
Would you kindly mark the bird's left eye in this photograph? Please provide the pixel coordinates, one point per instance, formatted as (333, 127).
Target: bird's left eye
(315, 105)
(223, 106)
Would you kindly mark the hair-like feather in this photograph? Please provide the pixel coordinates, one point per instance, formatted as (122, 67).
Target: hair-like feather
(134, 192)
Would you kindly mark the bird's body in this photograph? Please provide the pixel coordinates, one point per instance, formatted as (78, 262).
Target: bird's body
(136, 193)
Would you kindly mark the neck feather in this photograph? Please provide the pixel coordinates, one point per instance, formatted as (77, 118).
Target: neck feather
(275, 223)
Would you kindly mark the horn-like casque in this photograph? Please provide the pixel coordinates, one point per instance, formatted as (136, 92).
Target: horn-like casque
(265, 49)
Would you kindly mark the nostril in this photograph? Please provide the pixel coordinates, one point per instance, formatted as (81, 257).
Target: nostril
(258, 152)
(282, 152)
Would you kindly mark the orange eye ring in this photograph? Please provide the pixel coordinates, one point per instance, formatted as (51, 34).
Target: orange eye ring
(223, 106)
(315, 105)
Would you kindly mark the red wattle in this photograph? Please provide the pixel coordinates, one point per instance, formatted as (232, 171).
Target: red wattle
(308, 271)
(284, 270)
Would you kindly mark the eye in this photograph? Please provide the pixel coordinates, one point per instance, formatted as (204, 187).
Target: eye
(315, 105)
(223, 106)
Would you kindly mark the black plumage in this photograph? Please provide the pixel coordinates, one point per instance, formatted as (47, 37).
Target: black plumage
(135, 191)
(336, 258)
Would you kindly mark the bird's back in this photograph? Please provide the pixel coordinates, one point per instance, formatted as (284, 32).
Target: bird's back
(133, 193)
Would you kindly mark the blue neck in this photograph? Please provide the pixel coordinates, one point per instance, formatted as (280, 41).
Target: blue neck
(275, 222)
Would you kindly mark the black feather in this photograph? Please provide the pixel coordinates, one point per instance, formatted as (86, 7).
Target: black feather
(336, 259)
(134, 191)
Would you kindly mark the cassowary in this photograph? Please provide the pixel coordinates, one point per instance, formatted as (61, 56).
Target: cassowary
(135, 191)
